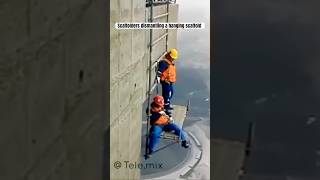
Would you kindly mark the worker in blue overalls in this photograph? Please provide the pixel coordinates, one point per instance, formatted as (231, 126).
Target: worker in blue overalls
(166, 75)
(160, 122)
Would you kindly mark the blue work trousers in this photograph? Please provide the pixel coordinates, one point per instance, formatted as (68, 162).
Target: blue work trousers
(167, 92)
(156, 130)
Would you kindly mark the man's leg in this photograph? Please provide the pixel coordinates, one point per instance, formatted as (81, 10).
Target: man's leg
(170, 95)
(167, 94)
(171, 92)
(177, 131)
(155, 133)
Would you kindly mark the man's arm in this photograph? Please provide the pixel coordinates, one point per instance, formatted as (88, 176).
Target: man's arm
(163, 65)
(154, 117)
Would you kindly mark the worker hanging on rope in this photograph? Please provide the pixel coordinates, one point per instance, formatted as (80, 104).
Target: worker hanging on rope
(160, 122)
(166, 75)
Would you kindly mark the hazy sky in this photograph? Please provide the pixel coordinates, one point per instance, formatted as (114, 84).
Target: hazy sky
(194, 44)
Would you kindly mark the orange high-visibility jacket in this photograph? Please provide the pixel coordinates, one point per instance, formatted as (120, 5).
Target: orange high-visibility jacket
(163, 119)
(169, 75)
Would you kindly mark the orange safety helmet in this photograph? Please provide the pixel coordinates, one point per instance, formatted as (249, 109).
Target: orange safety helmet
(158, 100)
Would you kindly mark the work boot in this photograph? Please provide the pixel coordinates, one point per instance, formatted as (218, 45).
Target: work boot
(168, 107)
(185, 144)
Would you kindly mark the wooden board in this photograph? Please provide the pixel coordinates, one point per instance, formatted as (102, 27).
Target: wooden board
(179, 115)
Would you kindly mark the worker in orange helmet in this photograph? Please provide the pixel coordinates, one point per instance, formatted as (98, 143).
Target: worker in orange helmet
(160, 122)
(166, 75)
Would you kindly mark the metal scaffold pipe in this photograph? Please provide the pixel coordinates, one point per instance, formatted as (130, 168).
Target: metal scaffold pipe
(149, 91)
(167, 31)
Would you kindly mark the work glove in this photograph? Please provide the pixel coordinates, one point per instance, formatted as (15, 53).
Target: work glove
(163, 113)
(171, 120)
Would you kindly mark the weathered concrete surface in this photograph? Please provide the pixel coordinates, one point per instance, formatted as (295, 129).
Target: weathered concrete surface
(127, 72)
(228, 157)
(52, 84)
(129, 63)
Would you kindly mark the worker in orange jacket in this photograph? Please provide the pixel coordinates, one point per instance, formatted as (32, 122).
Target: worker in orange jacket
(166, 75)
(160, 122)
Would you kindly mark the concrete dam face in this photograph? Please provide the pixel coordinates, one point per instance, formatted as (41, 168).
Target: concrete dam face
(129, 65)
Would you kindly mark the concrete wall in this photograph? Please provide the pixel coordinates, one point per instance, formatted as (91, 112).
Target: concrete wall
(52, 89)
(129, 81)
